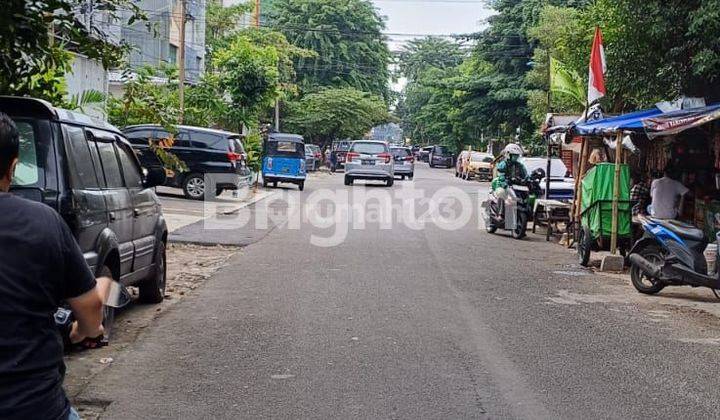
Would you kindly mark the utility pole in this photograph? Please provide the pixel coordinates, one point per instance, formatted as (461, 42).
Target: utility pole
(257, 13)
(181, 64)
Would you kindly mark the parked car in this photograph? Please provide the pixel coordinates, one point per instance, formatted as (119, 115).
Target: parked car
(87, 171)
(461, 162)
(370, 160)
(313, 157)
(440, 156)
(338, 152)
(479, 165)
(424, 154)
(404, 161)
(213, 156)
(562, 187)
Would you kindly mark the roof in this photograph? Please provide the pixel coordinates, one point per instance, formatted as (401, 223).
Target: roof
(18, 106)
(184, 127)
(652, 122)
(286, 137)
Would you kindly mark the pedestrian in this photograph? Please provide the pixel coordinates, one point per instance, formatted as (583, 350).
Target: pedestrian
(42, 267)
(667, 196)
(639, 195)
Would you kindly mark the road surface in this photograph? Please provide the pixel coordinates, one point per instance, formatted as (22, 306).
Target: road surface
(415, 323)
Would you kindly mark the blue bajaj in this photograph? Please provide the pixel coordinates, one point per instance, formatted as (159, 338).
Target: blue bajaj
(284, 160)
(671, 253)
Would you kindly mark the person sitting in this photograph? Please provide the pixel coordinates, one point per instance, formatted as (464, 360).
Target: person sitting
(639, 195)
(509, 170)
(667, 196)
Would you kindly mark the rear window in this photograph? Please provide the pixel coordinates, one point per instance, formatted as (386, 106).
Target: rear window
(400, 152)
(208, 141)
(369, 148)
(235, 145)
(441, 150)
(481, 158)
(288, 148)
(27, 172)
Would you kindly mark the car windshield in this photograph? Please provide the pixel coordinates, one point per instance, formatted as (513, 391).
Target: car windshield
(481, 157)
(400, 152)
(343, 146)
(557, 168)
(369, 148)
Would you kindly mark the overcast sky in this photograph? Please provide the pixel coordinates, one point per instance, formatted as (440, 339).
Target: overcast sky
(431, 17)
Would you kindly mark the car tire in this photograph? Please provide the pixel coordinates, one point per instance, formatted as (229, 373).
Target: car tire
(301, 185)
(274, 184)
(265, 183)
(348, 180)
(193, 186)
(411, 176)
(152, 290)
(390, 182)
(218, 191)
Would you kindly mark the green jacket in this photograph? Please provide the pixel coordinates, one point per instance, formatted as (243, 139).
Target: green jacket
(507, 170)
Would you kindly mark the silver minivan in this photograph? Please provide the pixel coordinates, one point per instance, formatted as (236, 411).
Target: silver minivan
(371, 160)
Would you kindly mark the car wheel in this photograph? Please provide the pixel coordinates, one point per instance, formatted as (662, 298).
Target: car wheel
(274, 184)
(194, 186)
(411, 176)
(348, 180)
(301, 185)
(218, 191)
(390, 182)
(265, 183)
(152, 290)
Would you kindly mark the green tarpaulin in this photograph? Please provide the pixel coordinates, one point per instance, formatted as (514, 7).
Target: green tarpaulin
(597, 187)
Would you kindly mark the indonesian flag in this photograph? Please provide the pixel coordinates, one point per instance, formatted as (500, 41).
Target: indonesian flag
(596, 81)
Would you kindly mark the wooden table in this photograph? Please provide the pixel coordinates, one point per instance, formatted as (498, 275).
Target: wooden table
(549, 212)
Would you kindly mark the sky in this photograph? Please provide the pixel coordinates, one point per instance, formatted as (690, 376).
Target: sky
(436, 17)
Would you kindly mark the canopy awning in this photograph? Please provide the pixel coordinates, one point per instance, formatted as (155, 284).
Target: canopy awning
(652, 122)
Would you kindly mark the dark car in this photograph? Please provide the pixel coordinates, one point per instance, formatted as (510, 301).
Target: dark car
(423, 155)
(338, 152)
(87, 171)
(212, 156)
(441, 156)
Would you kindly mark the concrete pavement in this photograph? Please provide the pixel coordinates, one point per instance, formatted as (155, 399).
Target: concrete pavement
(414, 323)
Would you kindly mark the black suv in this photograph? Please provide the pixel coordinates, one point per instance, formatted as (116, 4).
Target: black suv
(440, 156)
(87, 171)
(212, 156)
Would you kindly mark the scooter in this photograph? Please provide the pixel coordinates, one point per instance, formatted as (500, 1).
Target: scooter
(517, 206)
(118, 297)
(670, 253)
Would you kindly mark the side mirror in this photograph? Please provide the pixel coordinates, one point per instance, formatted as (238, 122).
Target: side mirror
(154, 177)
(538, 174)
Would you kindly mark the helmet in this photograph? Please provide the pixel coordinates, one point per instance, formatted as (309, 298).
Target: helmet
(512, 149)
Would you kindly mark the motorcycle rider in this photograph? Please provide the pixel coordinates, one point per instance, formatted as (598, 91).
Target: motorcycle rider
(42, 266)
(509, 169)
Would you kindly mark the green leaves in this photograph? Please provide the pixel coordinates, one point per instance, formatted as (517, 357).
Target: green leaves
(336, 113)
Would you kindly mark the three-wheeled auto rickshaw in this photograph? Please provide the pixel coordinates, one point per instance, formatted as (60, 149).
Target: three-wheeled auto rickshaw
(596, 211)
(284, 160)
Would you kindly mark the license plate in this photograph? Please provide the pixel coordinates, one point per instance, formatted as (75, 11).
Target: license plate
(368, 162)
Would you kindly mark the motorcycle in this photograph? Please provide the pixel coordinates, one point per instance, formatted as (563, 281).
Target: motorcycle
(670, 253)
(118, 297)
(517, 209)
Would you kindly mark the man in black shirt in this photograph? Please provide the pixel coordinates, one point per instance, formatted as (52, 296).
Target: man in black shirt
(41, 266)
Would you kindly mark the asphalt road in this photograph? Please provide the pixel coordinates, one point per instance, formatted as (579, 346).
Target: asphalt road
(407, 322)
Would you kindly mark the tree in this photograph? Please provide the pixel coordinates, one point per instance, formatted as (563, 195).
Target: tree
(420, 54)
(35, 36)
(221, 23)
(336, 113)
(346, 36)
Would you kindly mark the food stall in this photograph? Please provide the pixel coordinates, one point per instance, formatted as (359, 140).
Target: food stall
(682, 134)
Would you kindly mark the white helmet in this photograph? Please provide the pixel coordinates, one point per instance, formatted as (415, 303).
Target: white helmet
(512, 149)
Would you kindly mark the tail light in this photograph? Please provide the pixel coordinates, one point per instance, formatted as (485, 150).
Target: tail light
(233, 157)
(317, 155)
(410, 158)
(386, 156)
(350, 155)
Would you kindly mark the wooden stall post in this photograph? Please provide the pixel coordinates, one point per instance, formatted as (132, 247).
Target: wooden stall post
(616, 193)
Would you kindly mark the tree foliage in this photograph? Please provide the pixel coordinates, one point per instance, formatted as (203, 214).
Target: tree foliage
(346, 36)
(336, 113)
(35, 36)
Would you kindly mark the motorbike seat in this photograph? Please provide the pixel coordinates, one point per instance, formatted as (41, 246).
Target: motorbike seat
(683, 230)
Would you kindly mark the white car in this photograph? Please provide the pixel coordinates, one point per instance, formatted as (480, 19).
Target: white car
(562, 187)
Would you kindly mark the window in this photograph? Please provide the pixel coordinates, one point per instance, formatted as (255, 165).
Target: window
(207, 141)
(400, 152)
(131, 171)
(287, 148)
(369, 148)
(235, 145)
(441, 150)
(82, 170)
(111, 169)
(172, 54)
(180, 139)
(27, 172)
(139, 137)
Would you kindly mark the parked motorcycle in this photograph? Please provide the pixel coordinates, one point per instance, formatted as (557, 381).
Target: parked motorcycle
(670, 253)
(517, 209)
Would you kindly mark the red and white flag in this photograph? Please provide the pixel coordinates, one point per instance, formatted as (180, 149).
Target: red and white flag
(596, 81)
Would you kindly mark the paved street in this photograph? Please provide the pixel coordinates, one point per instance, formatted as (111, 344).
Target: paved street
(415, 323)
